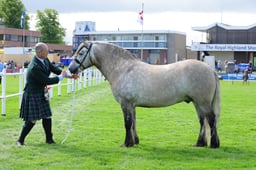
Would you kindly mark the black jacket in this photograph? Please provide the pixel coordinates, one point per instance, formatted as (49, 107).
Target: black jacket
(38, 75)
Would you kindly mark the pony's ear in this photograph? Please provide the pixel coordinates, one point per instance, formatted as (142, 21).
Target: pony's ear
(86, 43)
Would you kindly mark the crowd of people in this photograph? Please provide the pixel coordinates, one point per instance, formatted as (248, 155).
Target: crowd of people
(232, 67)
(8, 65)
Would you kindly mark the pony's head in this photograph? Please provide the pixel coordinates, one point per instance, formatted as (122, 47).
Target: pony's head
(81, 58)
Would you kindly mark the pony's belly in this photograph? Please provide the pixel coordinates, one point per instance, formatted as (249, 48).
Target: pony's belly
(157, 102)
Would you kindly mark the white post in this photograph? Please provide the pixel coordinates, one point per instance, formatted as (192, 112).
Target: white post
(25, 76)
(59, 88)
(73, 85)
(69, 86)
(85, 78)
(21, 86)
(96, 77)
(50, 92)
(79, 81)
(90, 77)
(4, 92)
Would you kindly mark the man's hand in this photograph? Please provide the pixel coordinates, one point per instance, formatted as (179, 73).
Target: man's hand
(74, 76)
(64, 73)
(67, 74)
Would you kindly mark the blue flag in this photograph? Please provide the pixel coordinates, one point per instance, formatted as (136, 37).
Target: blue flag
(22, 19)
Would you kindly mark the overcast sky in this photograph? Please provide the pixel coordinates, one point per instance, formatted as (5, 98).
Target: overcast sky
(176, 15)
(152, 6)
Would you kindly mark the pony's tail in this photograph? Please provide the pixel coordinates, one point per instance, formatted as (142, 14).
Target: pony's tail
(216, 102)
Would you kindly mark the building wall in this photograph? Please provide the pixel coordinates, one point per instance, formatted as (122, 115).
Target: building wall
(176, 45)
(191, 54)
(218, 35)
(252, 36)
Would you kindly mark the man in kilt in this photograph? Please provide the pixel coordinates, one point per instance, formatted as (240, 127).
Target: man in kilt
(35, 105)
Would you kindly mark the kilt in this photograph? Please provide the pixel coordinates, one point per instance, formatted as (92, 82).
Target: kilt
(34, 106)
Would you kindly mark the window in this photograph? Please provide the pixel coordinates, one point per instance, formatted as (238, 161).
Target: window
(127, 37)
(14, 38)
(8, 37)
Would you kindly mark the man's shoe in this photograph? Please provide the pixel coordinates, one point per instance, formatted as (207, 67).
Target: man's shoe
(20, 143)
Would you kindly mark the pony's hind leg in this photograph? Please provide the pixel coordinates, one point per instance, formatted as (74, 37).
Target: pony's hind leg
(202, 140)
(215, 142)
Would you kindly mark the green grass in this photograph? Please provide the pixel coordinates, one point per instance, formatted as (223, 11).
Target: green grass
(166, 134)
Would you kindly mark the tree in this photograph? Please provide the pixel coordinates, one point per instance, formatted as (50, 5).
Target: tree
(49, 26)
(10, 14)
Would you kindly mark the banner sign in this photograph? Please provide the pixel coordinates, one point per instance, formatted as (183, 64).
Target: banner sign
(223, 47)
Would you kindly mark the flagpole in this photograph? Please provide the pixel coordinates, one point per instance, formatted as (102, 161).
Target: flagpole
(22, 25)
(142, 37)
(23, 45)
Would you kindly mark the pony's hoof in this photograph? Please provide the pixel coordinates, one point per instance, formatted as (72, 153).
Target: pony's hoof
(123, 145)
(215, 146)
(199, 145)
(126, 145)
(137, 141)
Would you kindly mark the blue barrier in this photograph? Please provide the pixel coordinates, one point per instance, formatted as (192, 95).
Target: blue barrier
(234, 76)
(65, 61)
(243, 66)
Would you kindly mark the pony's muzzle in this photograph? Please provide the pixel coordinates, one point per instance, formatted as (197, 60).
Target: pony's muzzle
(73, 71)
(73, 68)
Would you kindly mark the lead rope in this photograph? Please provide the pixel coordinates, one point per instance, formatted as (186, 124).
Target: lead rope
(72, 113)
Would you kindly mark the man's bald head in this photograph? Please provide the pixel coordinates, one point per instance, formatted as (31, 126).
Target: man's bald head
(41, 50)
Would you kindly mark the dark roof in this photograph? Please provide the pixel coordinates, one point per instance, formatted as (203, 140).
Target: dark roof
(224, 26)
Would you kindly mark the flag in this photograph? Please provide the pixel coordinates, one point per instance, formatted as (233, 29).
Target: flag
(22, 19)
(140, 17)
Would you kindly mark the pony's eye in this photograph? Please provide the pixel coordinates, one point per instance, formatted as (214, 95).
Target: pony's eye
(79, 57)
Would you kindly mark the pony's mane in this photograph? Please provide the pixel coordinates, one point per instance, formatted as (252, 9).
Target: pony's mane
(119, 51)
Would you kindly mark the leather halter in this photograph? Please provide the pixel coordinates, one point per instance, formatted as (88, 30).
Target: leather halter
(85, 56)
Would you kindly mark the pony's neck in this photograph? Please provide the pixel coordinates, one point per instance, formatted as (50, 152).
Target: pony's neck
(111, 60)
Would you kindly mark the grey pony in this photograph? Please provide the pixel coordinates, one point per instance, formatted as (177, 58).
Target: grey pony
(137, 84)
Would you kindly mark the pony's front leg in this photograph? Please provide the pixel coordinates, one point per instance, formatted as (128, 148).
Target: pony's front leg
(136, 138)
(129, 116)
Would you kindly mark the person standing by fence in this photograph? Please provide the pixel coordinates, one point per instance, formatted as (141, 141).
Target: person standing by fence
(35, 103)
(1, 69)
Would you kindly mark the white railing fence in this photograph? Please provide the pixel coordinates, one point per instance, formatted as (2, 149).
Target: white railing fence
(87, 78)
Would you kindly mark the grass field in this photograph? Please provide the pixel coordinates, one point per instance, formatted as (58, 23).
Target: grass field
(166, 134)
